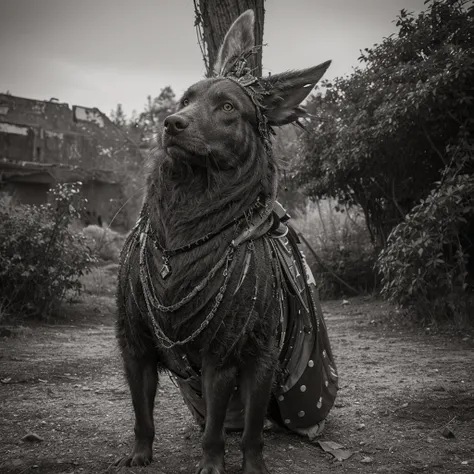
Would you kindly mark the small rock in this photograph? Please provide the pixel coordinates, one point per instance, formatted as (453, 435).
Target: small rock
(32, 437)
(360, 427)
(366, 460)
(345, 302)
(5, 332)
(447, 433)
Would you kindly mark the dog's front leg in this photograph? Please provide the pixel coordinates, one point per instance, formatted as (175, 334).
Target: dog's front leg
(218, 385)
(256, 384)
(142, 377)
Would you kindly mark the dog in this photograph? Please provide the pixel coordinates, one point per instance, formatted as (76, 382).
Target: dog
(210, 271)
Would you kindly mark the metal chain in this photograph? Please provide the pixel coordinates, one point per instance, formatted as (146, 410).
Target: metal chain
(145, 279)
(169, 343)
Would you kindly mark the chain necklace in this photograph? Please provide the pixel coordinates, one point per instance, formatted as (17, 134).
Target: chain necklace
(142, 231)
(166, 254)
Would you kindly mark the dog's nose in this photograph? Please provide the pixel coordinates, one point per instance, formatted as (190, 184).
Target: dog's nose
(175, 124)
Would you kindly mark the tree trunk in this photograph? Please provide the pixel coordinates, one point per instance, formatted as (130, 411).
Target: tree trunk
(213, 19)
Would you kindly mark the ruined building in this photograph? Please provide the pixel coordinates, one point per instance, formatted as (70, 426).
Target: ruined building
(43, 143)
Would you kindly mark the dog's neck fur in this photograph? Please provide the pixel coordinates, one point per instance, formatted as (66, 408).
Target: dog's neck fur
(186, 203)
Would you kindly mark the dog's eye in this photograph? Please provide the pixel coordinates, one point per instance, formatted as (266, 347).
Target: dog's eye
(185, 102)
(228, 107)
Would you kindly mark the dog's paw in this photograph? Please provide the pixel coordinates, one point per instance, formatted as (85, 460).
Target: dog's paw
(210, 470)
(133, 460)
(206, 467)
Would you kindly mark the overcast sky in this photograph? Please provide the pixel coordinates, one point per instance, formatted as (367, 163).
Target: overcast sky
(98, 53)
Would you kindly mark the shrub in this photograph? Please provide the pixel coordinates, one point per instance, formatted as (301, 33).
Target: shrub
(343, 263)
(346, 268)
(377, 137)
(105, 243)
(41, 259)
(424, 266)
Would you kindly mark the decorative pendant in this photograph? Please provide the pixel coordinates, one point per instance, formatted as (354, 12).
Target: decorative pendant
(165, 271)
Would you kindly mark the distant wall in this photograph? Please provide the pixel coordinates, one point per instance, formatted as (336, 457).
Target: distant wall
(16, 141)
(42, 143)
(27, 193)
(51, 132)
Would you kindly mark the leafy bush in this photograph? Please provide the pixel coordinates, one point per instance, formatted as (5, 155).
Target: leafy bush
(377, 138)
(105, 243)
(345, 268)
(41, 259)
(424, 266)
(344, 257)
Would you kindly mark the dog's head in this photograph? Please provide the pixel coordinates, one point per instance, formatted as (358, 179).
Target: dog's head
(226, 119)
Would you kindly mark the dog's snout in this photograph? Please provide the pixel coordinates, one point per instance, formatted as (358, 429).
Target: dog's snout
(175, 124)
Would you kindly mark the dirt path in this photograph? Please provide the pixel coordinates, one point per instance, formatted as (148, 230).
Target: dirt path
(399, 389)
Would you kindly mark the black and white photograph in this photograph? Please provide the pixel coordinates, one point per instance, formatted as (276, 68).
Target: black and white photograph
(236, 236)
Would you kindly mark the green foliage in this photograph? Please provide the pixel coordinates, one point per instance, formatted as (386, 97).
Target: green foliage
(379, 136)
(343, 250)
(425, 264)
(156, 110)
(41, 259)
(348, 261)
(396, 139)
(105, 243)
(118, 116)
(142, 128)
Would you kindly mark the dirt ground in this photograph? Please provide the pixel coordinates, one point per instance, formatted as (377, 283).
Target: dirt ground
(405, 405)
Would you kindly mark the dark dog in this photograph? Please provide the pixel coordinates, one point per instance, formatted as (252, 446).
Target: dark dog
(200, 286)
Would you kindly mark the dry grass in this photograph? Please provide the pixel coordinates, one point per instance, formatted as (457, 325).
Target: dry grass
(105, 243)
(101, 280)
(325, 225)
(343, 254)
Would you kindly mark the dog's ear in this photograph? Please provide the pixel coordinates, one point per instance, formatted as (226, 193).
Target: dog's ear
(239, 39)
(287, 91)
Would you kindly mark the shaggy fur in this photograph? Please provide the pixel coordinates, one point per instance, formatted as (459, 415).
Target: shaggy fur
(211, 169)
